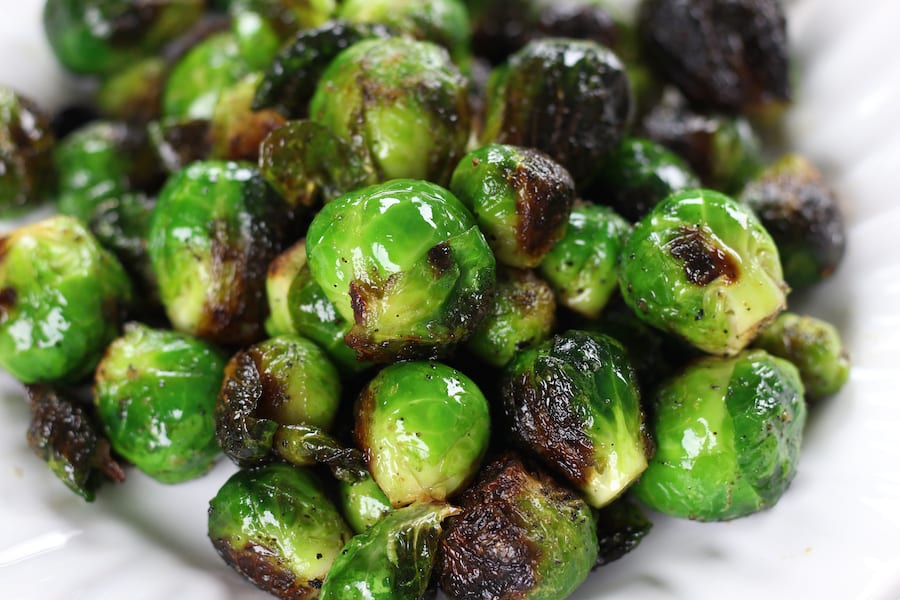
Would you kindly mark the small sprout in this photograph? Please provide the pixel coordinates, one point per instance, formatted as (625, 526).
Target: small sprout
(135, 92)
(573, 401)
(235, 130)
(520, 535)
(728, 434)
(179, 142)
(305, 445)
(363, 503)
(701, 266)
(26, 153)
(520, 198)
(392, 560)
(620, 528)
(424, 428)
(155, 391)
(276, 526)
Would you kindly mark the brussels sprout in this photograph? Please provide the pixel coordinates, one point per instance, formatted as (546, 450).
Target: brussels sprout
(574, 402)
(405, 263)
(155, 391)
(235, 130)
(638, 175)
(65, 435)
(621, 526)
(62, 300)
(134, 93)
(286, 380)
(521, 315)
(100, 36)
(801, 213)
(702, 267)
(400, 102)
(26, 152)
(215, 228)
(520, 535)
(520, 198)
(285, 17)
(424, 429)
(363, 503)
(392, 560)
(732, 56)
(813, 346)
(179, 142)
(581, 268)
(568, 98)
(276, 526)
(728, 433)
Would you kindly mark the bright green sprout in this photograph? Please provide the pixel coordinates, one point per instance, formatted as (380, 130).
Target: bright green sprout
(363, 503)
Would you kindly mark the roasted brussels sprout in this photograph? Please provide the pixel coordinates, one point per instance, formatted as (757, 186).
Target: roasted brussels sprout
(214, 230)
(26, 152)
(568, 98)
(727, 55)
(285, 380)
(65, 434)
(155, 392)
(179, 142)
(621, 526)
(701, 266)
(520, 535)
(573, 401)
(406, 264)
(813, 346)
(363, 503)
(392, 560)
(62, 300)
(802, 214)
(728, 433)
(520, 198)
(400, 102)
(235, 130)
(135, 93)
(582, 267)
(276, 526)
(424, 428)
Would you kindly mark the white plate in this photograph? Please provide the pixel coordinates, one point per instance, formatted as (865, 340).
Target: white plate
(834, 534)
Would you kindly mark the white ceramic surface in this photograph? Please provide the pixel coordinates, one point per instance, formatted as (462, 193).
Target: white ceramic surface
(834, 534)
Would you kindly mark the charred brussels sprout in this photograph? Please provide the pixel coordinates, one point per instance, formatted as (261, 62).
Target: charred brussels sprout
(573, 401)
(424, 428)
(582, 267)
(276, 526)
(702, 267)
(392, 560)
(520, 198)
(363, 503)
(235, 130)
(813, 346)
(568, 98)
(400, 102)
(799, 210)
(620, 528)
(215, 228)
(26, 152)
(728, 433)
(285, 380)
(405, 263)
(62, 300)
(520, 535)
(155, 392)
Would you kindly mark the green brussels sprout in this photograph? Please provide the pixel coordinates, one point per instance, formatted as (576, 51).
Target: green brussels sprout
(65, 434)
(284, 18)
(62, 300)
(728, 433)
(285, 380)
(569, 98)
(520, 197)
(135, 92)
(305, 445)
(215, 228)
(26, 152)
(276, 526)
(363, 503)
(298, 305)
(638, 175)
(406, 264)
(401, 103)
(101, 36)
(521, 315)
(235, 130)
(520, 535)
(392, 560)
(794, 203)
(582, 267)
(424, 428)
(621, 526)
(813, 346)
(155, 392)
(573, 401)
(701, 266)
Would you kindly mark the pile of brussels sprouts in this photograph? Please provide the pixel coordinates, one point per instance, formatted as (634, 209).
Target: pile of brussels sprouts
(458, 286)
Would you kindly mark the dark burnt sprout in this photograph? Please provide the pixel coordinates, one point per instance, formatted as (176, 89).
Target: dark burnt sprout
(26, 153)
